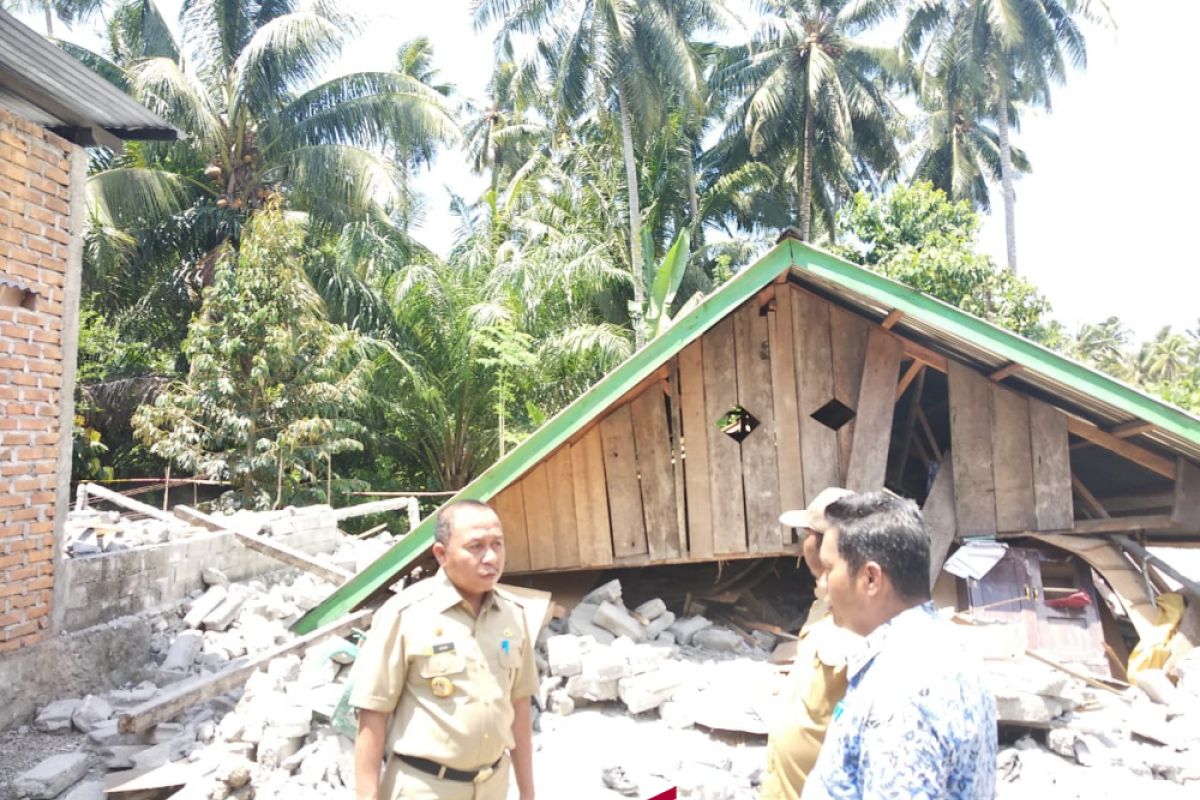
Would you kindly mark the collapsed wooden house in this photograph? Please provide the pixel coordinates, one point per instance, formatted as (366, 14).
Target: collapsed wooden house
(805, 371)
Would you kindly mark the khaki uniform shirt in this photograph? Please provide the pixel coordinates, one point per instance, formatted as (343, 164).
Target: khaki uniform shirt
(447, 677)
(818, 684)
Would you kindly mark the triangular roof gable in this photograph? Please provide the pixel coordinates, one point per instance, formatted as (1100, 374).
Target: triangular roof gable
(835, 275)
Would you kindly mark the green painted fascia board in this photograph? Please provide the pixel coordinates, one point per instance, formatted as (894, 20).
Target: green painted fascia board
(1003, 343)
(546, 439)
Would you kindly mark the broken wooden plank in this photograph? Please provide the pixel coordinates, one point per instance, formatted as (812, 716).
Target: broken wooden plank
(1133, 548)
(539, 524)
(562, 508)
(783, 393)
(696, 430)
(971, 451)
(724, 453)
(1012, 461)
(1131, 524)
(1088, 679)
(814, 382)
(199, 518)
(1185, 510)
(908, 442)
(932, 442)
(509, 505)
(876, 407)
(760, 468)
(908, 377)
(652, 442)
(293, 557)
(1122, 447)
(1053, 506)
(624, 493)
(589, 487)
(848, 342)
(1093, 505)
(374, 507)
(940, 521)
(116, 498)
(182, 696)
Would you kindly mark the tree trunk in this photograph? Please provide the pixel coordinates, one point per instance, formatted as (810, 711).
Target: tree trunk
(1006, 170)
(635, 220)
(807, 174)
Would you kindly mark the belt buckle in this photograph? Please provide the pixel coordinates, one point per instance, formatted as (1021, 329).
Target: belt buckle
(482, 775)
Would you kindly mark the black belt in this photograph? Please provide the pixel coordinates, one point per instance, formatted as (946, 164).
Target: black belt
(440, 771)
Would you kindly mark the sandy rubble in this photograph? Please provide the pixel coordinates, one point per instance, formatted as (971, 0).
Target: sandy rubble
(683, 704)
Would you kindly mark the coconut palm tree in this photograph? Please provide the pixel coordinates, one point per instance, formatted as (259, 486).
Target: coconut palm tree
(1165, 358)
(1104, 345)
(67, 11)
(1010, 51)
(815, 108)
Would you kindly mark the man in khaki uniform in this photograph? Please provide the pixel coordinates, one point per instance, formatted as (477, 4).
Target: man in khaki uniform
(818, 677)
(444, 680)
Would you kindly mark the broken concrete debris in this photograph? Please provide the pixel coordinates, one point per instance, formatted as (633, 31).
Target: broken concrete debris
(53, 776)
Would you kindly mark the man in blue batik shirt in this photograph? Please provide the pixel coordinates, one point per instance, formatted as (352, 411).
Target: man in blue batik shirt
(917, 720)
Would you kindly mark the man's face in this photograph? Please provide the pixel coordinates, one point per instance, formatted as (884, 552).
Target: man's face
(473, 556)
(847, 594)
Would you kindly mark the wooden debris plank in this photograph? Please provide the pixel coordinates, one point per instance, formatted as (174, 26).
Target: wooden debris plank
(1012, 461)
(971, 451)
(760, 468)
(509, 505)
(1122, 447)
(783, 393)
(116, 498)
(1005, 371)
(814, 386)
(696, 430)
(539, 523)
(920, 352)
(293, 557)
(876, 406)
(183, 696)
(1132, 428)
(652, 441)
(374, 507)
(891, 319)
(589, 487)
(1093, 505)
(848, 345)
(724, 454)
(909, 442)
(1186, 508)
(624, 493)
(908, 377)
(562, 508)
(1054, 508)
(931, 440)
(938, 512)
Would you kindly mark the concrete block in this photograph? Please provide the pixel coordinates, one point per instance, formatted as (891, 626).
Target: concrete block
(151, 757)
(580, 623)
(606, 664)
(685, 629)
(86, 790)
(583, 687)
(651, 609)
(90, 713)
(659, 624)
(649, 690)
(718, 639)
(184, 650)
(223, 615)
(57, 716)
(1024, 707)
(205, 605)
(559, 702)
(120, 756)
(617, 621)
(608, 592)
(676, 714)
(273, 750)
(211, 576)
(51, 777)
(565, 653)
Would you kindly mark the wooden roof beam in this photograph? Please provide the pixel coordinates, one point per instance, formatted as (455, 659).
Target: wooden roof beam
(1122, 447)
(913, 370)
(891, 319)
(923, 354)
(1005, 371)
(1131, 428)
(1086, 527)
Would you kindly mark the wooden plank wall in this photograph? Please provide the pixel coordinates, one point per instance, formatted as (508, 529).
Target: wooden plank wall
(656, 481)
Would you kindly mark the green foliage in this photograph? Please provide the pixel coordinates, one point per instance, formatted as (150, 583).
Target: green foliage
(1167, 365)
(273, 387)
(918, 237)
(87, 462)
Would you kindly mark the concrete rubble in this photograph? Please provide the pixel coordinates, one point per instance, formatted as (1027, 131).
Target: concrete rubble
(686, 703)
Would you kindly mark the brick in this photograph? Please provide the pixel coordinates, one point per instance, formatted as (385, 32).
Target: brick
(24, 379)
(34, 638)
(44, 582)
(37, 613)
(41, 528)
(12, 530)
(51, 381)
(11, 619)
(8, 647)
(15, 560)
(18, 631)
(11, 501)
(25, 601)
(24, 514)
(13, 589)
(57, 206)
(21, 573)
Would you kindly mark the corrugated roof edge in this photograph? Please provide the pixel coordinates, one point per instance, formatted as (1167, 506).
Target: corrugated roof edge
(559, 428)
(1005, 344)
(788, 255)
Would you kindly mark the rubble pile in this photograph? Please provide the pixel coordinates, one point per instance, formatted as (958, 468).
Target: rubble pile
(90, 531)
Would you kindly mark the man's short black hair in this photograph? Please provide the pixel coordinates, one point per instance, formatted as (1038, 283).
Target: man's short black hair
(445, 517)
(889, 530)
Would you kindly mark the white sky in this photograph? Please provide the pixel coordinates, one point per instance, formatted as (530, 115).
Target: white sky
(1103, 222)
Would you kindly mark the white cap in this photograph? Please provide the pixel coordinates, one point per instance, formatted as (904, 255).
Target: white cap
(813, 517)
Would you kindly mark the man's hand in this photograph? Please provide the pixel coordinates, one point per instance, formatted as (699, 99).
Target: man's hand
(368, 753)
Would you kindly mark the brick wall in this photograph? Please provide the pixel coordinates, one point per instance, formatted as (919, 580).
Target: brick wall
(35, 209)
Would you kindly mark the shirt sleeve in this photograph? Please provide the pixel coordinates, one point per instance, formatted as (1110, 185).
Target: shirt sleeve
(377, 678)
(903, 754)
(526, 683)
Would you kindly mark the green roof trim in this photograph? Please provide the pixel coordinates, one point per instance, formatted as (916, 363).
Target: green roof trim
(789, 254)
(546, 439)
(1005, 344)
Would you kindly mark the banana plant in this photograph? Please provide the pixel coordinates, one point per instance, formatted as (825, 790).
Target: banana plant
(666, 279)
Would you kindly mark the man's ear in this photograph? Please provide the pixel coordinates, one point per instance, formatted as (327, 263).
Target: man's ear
(439, 552)
(872, 576)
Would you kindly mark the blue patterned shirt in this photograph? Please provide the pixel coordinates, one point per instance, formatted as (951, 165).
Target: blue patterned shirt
(917, 721)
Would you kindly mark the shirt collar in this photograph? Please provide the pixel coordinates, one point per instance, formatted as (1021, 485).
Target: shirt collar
(877, 639)
(446, 595)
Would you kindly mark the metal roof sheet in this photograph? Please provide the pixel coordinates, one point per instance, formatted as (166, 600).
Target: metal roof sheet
(35, 73)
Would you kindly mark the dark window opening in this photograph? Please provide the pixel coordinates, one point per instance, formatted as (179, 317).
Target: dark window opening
(834, 414)
(737, 423)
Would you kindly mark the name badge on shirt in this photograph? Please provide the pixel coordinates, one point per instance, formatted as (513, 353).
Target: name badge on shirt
(838, 709)
(444, 647)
